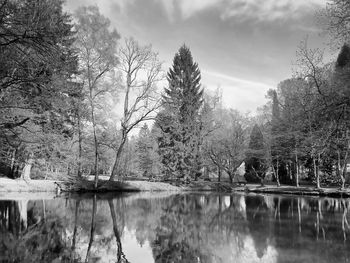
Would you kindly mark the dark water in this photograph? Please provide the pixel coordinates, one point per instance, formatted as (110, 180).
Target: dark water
(177, 228)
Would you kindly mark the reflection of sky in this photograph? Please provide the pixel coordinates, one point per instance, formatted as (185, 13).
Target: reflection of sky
(248, 253)
(229, 253)
(133, 251)
(104, 247)
(234, 228)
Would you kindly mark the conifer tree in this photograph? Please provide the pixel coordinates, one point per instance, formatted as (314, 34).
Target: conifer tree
(143, 148)
(275, 137)
(255, 162)
(180, 140)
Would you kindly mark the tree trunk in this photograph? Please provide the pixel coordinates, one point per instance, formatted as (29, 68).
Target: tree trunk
(115, 229)
(219, 174)
(124, 125)
(80, 140)
(259, 177)
(345, 166)
(96, 151)
(299, 214)
(230, 175)
(344, 222)
(275, 171)
(316, 173)
(94, 131)
(340, 171)
(22, 207)
(92, 229)
(44, 210)
(297, 170)
(117, 158)
(76, 214)
(220, 204)
(13, 159)
(27, 168)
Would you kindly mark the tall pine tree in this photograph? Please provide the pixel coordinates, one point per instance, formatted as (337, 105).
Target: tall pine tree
(255, 163)
(144, 151)
(179, 144)
(276, 137)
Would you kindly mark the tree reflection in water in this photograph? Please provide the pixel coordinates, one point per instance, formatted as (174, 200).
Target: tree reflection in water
(177, 228)
(120, 255)
(30, 237)
(92, 229)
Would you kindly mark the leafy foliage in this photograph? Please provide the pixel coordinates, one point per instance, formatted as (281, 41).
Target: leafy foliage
(36, 43)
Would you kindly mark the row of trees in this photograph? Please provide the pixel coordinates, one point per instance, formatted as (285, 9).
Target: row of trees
(67, 80)
(303, 131)
(306, 122)
(309, 126)
(61, 76)
(71, 95)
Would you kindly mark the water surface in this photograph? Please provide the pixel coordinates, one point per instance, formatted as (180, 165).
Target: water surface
(189, 227)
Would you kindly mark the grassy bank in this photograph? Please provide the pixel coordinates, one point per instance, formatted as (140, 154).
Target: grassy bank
(19, 185)
(10, 186)
(302, 190)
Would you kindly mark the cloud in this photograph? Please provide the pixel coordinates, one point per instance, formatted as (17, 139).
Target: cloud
(259, 10)
(250, 42)
(238, 93)
(232, 79)
(267, 10)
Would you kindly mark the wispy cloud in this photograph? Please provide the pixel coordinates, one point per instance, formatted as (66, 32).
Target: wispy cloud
(233, 79)
(259, 10)
(267, 10)
(239, 93)
(243, 46)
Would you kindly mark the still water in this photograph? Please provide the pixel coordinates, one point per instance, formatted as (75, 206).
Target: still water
(157, 227)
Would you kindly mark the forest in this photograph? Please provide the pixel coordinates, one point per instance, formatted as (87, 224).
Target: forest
(77, 99)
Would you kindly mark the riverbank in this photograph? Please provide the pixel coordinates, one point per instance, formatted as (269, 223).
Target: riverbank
(18, 185)
(10, 186)
(301, 190)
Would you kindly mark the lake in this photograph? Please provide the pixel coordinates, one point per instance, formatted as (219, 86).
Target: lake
(163, 227)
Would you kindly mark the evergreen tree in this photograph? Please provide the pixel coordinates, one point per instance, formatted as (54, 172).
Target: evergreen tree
(168, 148)
(276, 138)
(143, 148)
(255, 162)
(180, 122)
(339, 111)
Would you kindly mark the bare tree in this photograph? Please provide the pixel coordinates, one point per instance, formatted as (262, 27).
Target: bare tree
(227, 144)
(141, 71)
(97, 46)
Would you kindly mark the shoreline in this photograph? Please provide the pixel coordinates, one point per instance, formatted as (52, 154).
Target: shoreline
(299, 191)
(11, 187)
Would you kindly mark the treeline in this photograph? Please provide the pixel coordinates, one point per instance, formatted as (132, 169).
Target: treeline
(301, 134)
(309, 126)
(73, 92)
(306, 123)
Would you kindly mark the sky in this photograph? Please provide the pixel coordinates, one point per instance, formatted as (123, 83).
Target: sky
(243, 47)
